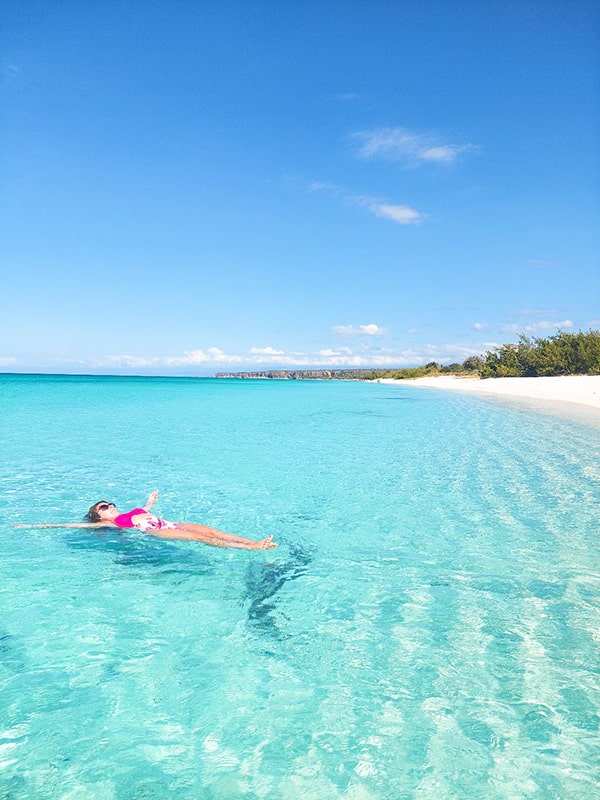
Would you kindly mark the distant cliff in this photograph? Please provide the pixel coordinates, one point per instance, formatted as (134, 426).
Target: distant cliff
(303, 374)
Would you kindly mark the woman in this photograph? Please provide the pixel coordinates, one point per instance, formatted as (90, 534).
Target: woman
(104, 514)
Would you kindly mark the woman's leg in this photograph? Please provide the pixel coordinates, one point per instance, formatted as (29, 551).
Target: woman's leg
(192, 531)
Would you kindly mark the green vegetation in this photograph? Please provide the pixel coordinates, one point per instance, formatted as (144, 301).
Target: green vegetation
(561, 354)
(469, 367)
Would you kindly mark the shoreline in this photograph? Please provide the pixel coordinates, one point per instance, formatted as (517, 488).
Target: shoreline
(576, 397)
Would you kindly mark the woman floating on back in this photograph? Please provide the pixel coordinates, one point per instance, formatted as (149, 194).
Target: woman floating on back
(106, 515)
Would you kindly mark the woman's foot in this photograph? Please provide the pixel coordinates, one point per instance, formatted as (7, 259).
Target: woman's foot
(265, 544)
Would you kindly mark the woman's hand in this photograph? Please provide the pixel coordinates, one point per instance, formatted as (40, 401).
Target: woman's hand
(152, 498)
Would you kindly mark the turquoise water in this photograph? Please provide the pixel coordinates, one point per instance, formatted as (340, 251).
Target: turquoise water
(427, 629)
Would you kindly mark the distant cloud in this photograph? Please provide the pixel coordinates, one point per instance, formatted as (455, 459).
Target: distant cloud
(366, 354)
(359, 330)
(201, 357)
(325, 186)
(479, 326)
(213, 359)
(266, 351)
(121, 361)
(343, 357)
(401, 214)
(400, 144)
(440, 353)
(189, 358)
(537, 327)
(318, 360)
(6, 361)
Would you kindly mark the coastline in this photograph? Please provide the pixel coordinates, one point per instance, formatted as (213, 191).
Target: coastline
(573, 396)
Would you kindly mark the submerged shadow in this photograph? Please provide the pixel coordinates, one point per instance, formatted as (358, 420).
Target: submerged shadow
(263, 582)
(12, 652)
(140, 552)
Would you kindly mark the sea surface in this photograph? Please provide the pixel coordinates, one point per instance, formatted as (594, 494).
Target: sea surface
(427, 629)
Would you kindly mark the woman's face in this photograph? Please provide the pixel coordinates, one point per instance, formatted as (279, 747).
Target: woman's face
(107, 511)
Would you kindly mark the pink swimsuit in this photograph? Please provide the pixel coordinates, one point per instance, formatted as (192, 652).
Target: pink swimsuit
(149, 523)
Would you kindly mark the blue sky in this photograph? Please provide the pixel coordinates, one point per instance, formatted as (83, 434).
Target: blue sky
(193, 187)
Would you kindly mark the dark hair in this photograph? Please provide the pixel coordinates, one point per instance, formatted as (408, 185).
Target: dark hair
(92, 515)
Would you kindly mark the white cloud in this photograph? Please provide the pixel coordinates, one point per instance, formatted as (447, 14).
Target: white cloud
(392, 358)
(537, 327)
(400, 144)
(401, 214)
(440, 353)
(121, 360)
(196, 357)
(6, 361)
(325, 359)
(215, 359)
(444, 154)
(359, 330)
(324, 186)
(341, 351)
(266, 351)
(479, 326)
(189, 358)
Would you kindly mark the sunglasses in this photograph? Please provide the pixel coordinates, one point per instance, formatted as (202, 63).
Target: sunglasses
(104, 506)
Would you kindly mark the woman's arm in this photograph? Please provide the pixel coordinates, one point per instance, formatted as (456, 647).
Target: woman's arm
(152, 498)
(67, 525)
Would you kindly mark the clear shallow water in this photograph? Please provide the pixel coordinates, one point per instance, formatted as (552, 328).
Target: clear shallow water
(428, 627)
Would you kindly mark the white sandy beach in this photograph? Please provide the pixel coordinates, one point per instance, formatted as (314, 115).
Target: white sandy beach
(565, 394)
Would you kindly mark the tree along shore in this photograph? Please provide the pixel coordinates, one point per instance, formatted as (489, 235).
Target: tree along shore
(561, 354)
